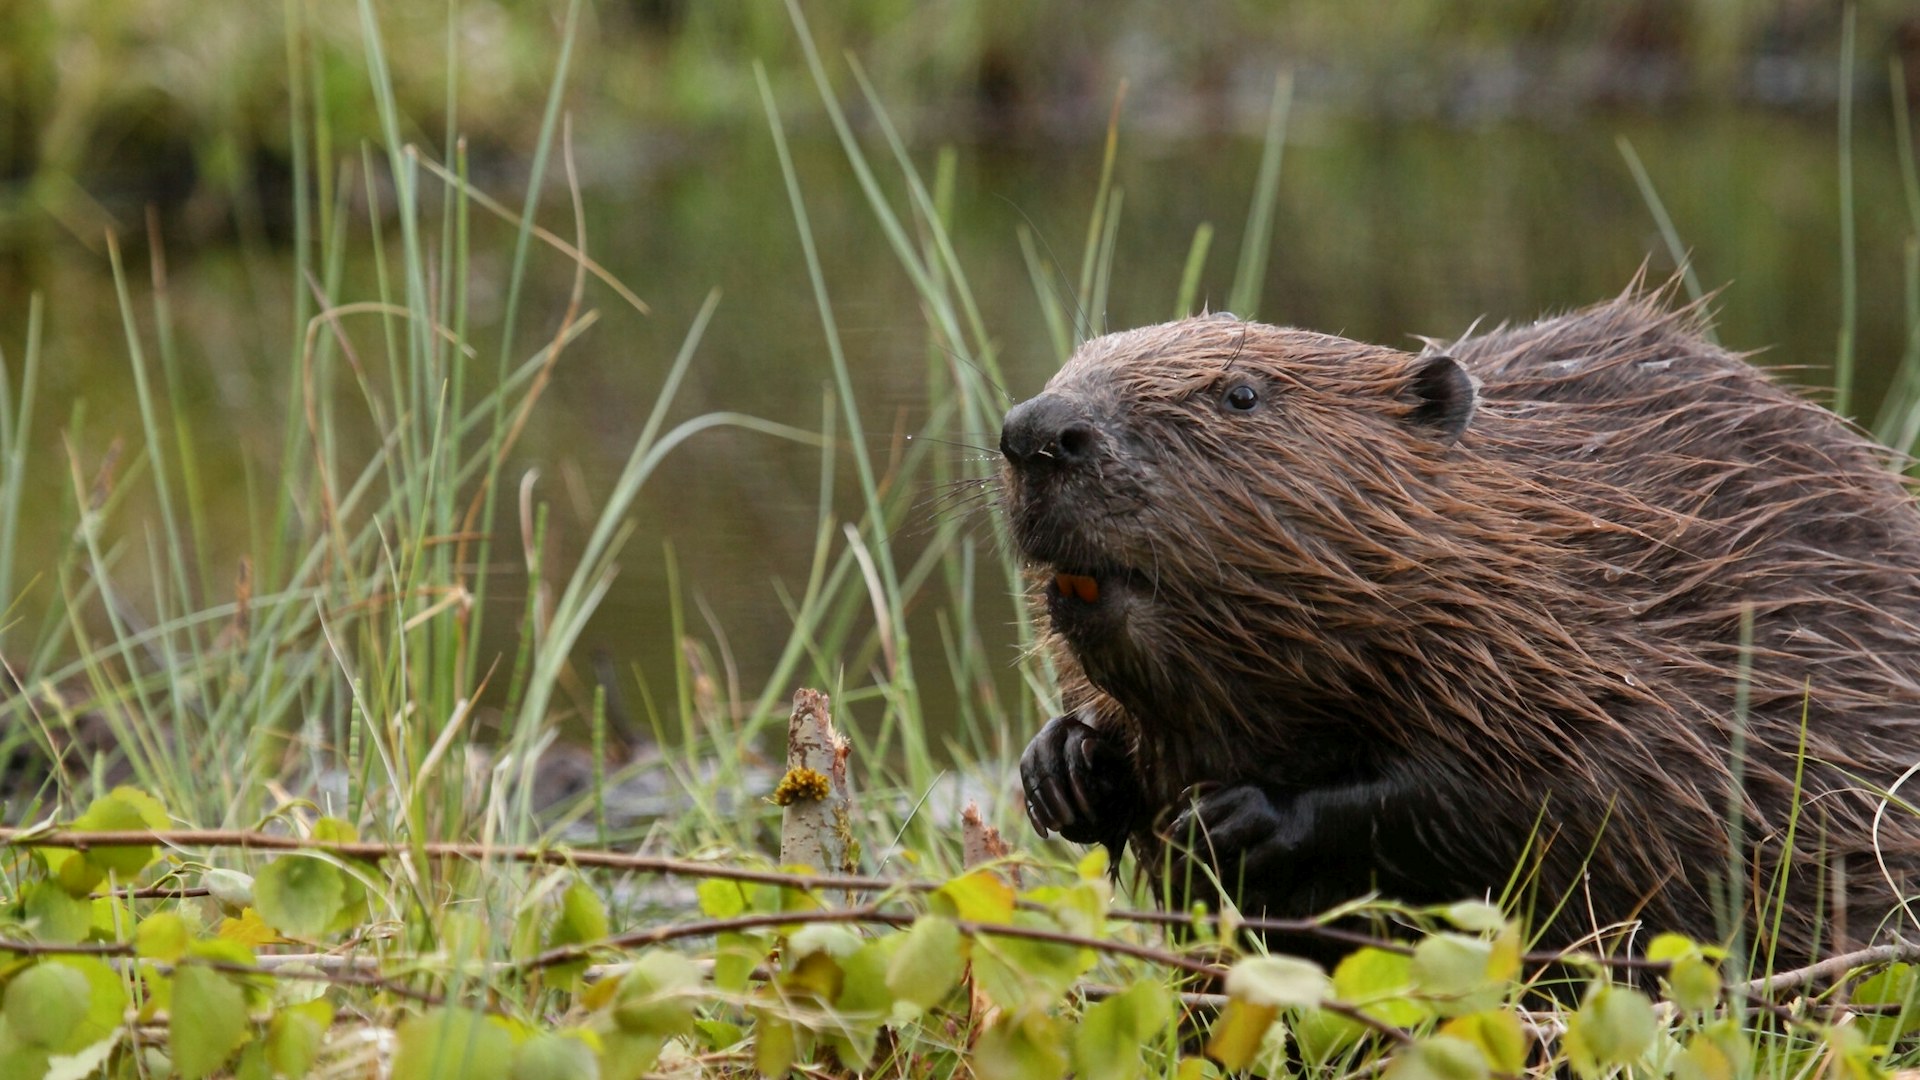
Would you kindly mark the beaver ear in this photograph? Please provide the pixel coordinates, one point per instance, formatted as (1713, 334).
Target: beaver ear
(1443, 394)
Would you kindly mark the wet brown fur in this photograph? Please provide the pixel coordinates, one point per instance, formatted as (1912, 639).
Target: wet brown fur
(1540, 619)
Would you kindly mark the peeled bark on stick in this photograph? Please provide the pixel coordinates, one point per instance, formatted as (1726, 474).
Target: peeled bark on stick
(817, 828)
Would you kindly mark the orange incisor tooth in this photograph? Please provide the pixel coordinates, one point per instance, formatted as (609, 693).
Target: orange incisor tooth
(1077, 585)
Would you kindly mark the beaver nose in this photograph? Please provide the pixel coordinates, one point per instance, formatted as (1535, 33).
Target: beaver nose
(1046, 432)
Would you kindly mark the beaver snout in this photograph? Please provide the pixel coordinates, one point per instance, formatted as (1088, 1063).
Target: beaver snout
(1047, 432)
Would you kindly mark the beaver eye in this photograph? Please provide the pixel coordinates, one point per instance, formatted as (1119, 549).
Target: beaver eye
(1241, 398)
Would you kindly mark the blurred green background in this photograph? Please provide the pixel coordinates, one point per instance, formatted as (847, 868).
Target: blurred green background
(1445, 164)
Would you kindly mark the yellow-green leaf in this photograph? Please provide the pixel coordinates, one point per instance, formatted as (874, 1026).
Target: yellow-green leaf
(112, 813)
(1613, 1028)
(1113, 1034)
(1497, 1033)
(1022, 1045)
(1439, 1057)
(452, 1044)
(928, 963)
(206, 1021)
(293, 1036)
(1237, 1034)
(162, 936)
(55, 915)
(720, 899)
(979, 897)
(553, 1056)
(656, 996)
(45, 1003)
(1282, 981)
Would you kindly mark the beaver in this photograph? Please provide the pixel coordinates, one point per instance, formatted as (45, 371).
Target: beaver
(1590, 611)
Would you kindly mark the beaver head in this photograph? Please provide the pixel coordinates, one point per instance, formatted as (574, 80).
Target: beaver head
(1220, 512)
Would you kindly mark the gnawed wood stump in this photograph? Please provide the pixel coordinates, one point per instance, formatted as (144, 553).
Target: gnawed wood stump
(817, 828)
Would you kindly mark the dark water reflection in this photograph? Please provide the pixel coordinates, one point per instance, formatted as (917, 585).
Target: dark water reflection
(1384, 231)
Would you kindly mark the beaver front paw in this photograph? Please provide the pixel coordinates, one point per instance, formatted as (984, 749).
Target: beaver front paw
(1241, 833)
(1079, 783)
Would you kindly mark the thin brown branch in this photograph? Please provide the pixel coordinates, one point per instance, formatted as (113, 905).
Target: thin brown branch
(375, 851)
(1831, 968)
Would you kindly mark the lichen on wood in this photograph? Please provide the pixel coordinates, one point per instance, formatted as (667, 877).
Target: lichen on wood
(816, 829)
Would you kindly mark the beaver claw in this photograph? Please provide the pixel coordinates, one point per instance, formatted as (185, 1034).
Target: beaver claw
(1078, 783)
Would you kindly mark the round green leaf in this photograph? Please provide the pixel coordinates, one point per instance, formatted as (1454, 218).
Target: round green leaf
(1440, 1057)
(1474, 916)
(1021, 1046)
(928, 962)
(206, 1021)
(1693, 984)
(298, 895)
(553, 1056)
(231, 889)
(43, 1004)
(1108, 1041)
(111, 813)
(1498, 1034)
(1613, 1028)
(55, 915)
(452, 1044)
(655, 996)
(1281, 981)
(162, 936)
(294, 1033)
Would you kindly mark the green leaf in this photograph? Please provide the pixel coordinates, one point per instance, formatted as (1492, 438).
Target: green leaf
(231, 889)
(298, 895)
(1022, 1045)
(1438, 1057)
(1281, 981)
(1378, 983)
(979, 897)
(55, 915)
(1093, 865)
(835, 941)
(1613, 1028)
(865, 992)
(656, 996)
(928, 963)
(1112, 1035)
(735, 957)
(1898, 988)
(1666, 948)
(74, 873)
(294, 1034)
(112, 813)
(776, 1043)
(162, 936)
(152, 814)
(1498, 1035)
(721, 899)
(864, 1002)
(583, 918)
(552, 1056)
(206, 1021)
(1021, 972)
(582, 921)
(332, 830)
(1461, 974)
(1693, 984)
(452, 1044)
(44, 1004)
(1474, 916)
